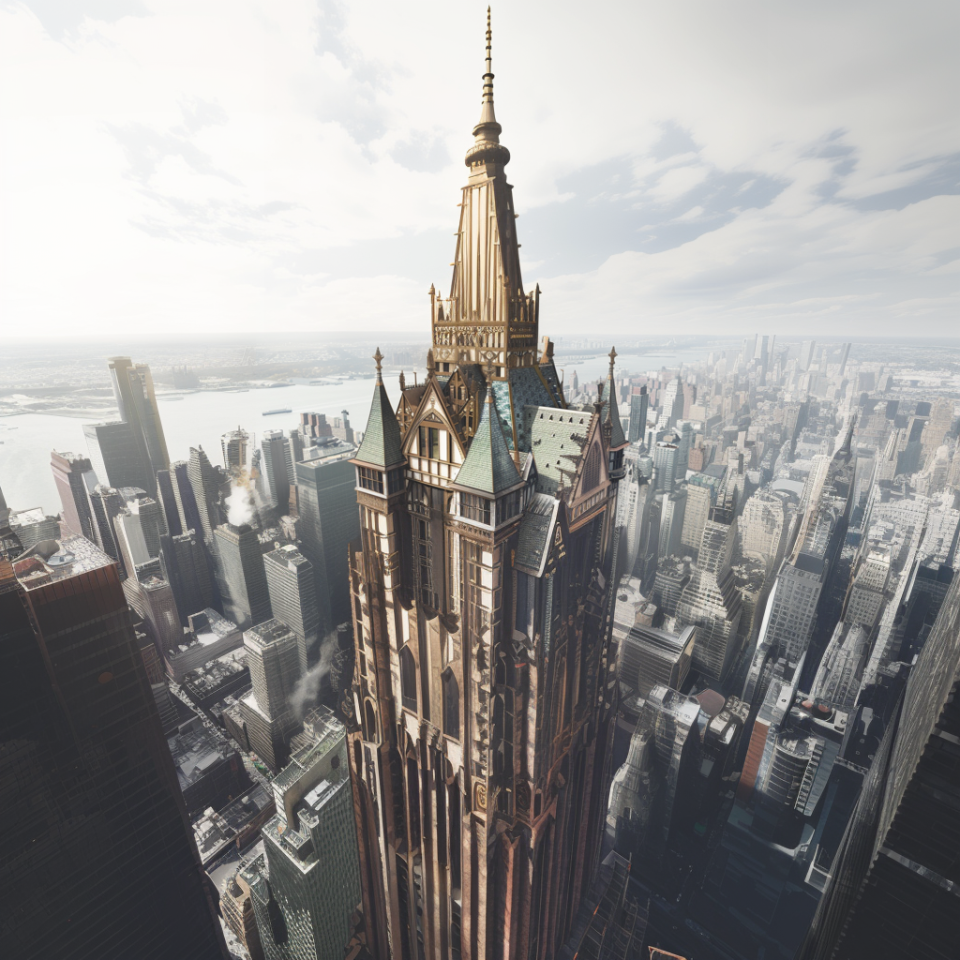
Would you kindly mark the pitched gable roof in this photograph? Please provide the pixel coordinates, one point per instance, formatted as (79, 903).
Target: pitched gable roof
(488, 466)
(434, 408)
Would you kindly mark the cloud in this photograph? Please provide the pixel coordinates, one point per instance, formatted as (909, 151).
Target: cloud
(245, 166)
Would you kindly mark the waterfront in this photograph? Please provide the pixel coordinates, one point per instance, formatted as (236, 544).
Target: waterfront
(201, 418)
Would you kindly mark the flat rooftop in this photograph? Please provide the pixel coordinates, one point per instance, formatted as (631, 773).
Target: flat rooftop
(52, 560)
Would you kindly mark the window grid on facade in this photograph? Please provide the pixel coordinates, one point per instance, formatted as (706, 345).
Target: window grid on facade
(474, 507)
(371, 479)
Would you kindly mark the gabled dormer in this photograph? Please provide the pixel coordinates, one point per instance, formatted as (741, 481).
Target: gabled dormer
(432, 443)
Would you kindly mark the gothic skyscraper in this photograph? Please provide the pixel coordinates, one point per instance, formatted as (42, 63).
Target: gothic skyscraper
(484, 692)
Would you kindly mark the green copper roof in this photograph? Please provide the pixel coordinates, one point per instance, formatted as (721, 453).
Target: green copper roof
(381, 440)
(617, 439)
(557, 440)
(488, 466)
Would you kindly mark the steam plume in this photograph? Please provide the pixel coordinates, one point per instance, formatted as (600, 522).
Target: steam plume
(307, 690)
(240, 508)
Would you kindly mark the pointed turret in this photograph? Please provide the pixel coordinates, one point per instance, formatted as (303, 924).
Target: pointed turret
(617, 439)
(380, 446)
(488, 466)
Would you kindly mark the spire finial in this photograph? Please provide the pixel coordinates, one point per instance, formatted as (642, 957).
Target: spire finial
(488, 75)
(378, 358)
(613, 358)
(487, 146)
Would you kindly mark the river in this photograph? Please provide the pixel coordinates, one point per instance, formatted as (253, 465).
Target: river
(26, 479)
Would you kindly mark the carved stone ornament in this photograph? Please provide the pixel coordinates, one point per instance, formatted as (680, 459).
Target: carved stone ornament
(480, 795)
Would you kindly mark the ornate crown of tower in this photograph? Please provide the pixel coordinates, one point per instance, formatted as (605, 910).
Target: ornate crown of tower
(487, 319)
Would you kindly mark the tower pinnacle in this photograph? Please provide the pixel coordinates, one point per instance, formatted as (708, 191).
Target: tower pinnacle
(487, 146)
(486, 113)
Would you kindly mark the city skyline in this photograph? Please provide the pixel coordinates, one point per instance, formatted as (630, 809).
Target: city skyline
(239, 170)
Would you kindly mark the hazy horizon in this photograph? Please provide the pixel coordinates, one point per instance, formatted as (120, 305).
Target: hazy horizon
(297, 167)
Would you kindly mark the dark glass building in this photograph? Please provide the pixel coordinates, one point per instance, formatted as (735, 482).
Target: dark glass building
(328, 523)
(895, 890)
(116, 456)
(98, 862)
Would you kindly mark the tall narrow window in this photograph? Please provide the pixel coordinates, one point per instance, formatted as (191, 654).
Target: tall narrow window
(430, 442)
(408, 679)
(451, 704)
(370, 719)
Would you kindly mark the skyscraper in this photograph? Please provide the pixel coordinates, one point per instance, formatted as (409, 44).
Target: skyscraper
(672, 508)
(484, 687)
(695, 516)
(893, 890)
(133, 389)
(304, 908)
(98, 861)
(274, 467)
(167, 498)
(206, 482)
(105, 504)
(711, 600)
(806, 354)
(130, 540)
(184, 562)
(671, 720)
(75, 479)
(638, 415)
(185, 498)
(326, 492)
(240, 575)
(844, 354)
(273, 657)
(293, 598)
(236, 446)
(672, 405)
(116, 456)
(666, 455)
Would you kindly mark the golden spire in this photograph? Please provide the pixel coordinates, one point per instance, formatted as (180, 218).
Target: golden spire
(487, 146)
(378, 357)
(486, 112)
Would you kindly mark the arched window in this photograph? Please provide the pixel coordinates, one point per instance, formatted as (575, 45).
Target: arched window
(591, 469)
(370, 721)
(451, 704)
(408, 679)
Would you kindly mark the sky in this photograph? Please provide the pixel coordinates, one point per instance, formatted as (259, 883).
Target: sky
(693, 167)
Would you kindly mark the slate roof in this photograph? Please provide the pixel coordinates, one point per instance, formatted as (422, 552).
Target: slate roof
(557, 439)
(612, 414)
(525, 387)
(536, 533)
(381, 440)
(549, 372)
(488, 466)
